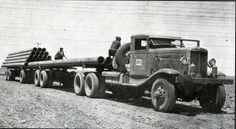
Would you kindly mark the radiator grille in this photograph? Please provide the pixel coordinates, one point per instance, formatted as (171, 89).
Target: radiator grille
(199, 58)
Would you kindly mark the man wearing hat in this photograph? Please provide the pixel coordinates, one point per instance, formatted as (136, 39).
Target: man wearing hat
(60, 54)
(114, 46)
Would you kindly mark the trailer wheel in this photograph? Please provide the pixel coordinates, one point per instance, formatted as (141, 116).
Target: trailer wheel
(91, 85)
(79, 83)
(215, 99)
(43, 79)
(36, 77)
(6, 74)
(163, 95)
(23, 77)
(10, 75)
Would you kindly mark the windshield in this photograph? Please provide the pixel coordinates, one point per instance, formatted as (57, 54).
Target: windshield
(167, 43)
(160, 43)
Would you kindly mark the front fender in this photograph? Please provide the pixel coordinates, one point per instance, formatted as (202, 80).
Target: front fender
(167, 73)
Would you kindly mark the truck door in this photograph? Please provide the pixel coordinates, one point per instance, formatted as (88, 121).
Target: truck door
(139, 57)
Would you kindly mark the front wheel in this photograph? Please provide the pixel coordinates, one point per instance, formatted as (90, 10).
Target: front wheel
(163, 95)
(23, 77)
(214, 100)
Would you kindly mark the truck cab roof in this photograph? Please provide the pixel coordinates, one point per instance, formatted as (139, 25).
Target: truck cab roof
(156, 36)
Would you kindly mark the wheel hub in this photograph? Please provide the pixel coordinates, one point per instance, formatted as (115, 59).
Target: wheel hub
(160, 95)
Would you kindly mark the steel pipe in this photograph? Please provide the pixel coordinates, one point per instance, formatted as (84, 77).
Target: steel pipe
(92, 62)
(44, 57)
(20, 57)
(12, 65)
(37, 52)
(39, 49)
(43, 49)
(108, 61)
(49, 58)
(35, 57)
(21, 54)
(46, 53)
(29, 50)
(16, 61)
(41, 53)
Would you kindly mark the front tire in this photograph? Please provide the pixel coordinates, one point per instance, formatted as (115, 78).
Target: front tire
(214, 101)
(163, 95)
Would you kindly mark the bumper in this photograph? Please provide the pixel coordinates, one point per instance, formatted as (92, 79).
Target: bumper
(211, 81)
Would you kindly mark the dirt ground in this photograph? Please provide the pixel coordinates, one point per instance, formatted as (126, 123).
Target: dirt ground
(24, 105)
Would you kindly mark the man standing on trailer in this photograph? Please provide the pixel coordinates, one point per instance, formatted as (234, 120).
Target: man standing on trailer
(60, 54)
(114, 46)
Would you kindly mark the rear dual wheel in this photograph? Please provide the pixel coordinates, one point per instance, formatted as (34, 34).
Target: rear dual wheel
(37, 78)
(94, 87)
(91, 85)
(41, 78)
(23, 77)
(10, 75)
(79, 83)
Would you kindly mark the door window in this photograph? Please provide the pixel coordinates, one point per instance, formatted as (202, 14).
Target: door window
(140, 44)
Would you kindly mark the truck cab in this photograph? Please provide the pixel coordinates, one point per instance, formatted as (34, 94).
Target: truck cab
(147, 54)
(163, 66)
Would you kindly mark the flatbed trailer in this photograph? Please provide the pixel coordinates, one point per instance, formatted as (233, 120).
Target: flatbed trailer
(169, 71)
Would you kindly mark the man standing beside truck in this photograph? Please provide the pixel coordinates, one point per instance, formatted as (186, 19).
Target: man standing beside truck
(60, 54)
(114, 46)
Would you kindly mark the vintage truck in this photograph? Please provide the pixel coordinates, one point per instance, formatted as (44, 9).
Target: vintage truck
(161, 65)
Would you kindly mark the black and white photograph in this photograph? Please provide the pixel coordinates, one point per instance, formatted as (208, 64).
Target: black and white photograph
(117, 64)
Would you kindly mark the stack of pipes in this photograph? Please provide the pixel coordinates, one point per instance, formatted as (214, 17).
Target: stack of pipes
(26, 56)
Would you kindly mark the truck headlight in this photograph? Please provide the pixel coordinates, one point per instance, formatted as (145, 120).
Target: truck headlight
(184, 60)
(212, 62)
